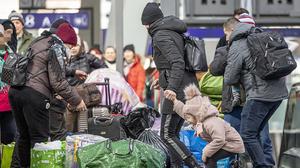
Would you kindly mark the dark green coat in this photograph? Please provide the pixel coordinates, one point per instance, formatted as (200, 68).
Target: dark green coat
(27, 38)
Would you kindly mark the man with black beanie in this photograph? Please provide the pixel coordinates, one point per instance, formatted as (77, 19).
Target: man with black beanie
(168, 43)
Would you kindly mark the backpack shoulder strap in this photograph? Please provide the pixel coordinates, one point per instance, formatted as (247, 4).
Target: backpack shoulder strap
(238, 37)
(29, 53)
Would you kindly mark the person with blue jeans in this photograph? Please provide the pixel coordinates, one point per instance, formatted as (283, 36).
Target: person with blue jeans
(234, 118)
(232, 111)
(263, 97)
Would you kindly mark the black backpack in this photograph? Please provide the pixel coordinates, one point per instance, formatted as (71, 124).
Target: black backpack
(14, 72)
(270, 54)
(194, 54)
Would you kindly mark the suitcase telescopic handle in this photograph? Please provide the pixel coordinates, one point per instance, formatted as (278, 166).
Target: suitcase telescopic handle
(106, 85)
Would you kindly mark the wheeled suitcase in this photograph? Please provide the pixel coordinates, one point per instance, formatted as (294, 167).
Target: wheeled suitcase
(100, 121)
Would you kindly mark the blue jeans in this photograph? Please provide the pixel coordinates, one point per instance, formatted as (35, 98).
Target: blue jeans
(234, 119)
(254, 119)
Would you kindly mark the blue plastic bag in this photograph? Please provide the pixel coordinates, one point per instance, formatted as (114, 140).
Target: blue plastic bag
(224, 163)
(193, 143)
(196, 146)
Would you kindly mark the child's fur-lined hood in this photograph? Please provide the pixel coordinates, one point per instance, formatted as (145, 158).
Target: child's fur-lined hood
(198, 106)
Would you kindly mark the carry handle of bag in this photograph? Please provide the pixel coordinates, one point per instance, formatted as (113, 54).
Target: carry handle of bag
(130, 148)
(103, 121)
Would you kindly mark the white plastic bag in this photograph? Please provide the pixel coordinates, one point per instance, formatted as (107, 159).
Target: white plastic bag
(75, 142)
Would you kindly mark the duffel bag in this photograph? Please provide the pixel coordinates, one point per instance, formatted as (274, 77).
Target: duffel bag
(107, 126)
(124, 153)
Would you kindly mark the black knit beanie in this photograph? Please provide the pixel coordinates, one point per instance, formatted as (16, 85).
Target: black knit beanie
(129, 47)
(151, 13)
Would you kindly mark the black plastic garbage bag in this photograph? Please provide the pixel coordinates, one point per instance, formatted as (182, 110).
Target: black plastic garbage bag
(138, 120)
(151, 138)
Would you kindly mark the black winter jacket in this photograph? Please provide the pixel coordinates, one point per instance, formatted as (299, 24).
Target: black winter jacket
(217, 68)
(222, 42)
(168, 46)
(84, 62)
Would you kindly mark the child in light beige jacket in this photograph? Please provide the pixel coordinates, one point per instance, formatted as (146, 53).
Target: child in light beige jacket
(223, 140)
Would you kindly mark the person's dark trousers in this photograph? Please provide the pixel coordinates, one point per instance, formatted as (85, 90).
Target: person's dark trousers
(169, 132)
(234, 119)
(8, 127)
(57, 113)
(32, 118)
(15, 162)
(254, 117)
(211, 162)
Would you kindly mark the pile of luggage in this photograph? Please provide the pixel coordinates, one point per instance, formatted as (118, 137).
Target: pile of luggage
(94, 151)
(105, 138)
(125, 141)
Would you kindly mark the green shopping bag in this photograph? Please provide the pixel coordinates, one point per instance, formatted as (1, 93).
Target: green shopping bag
(48, 158)
(124, 153)
(7, 152)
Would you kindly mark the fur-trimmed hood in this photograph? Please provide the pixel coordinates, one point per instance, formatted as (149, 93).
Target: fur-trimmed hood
(196, 105)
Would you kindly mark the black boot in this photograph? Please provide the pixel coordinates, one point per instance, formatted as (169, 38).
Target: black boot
(191, 162)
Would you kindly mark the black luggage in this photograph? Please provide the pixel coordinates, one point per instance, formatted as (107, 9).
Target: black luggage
(138, 120)
(108, 127)
(100, 120)
(194, 54)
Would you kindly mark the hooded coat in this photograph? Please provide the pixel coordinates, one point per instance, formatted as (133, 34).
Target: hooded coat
(239, 64)
(168, 44)
(136, 77)
(211, 128)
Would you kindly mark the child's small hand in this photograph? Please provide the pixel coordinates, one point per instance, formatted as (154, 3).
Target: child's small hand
(169, 94)
(174, 99)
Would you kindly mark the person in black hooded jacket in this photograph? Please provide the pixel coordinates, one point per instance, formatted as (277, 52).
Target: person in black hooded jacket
(168, 43)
